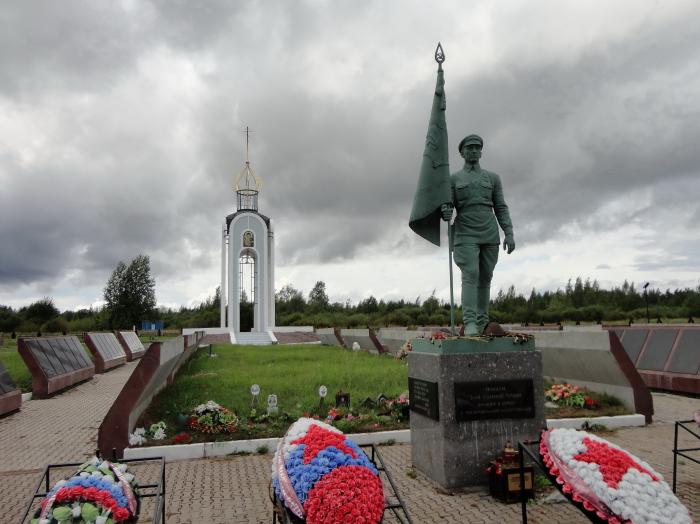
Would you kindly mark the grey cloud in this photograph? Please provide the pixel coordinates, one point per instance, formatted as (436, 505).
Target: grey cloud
(338, 166)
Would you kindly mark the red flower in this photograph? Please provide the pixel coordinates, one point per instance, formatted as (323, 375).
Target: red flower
(317, 439)
(181, 437)
(348, 494)
(612, 462)
(590, 403)
(120, 514)
(91, 493)
(62, 495)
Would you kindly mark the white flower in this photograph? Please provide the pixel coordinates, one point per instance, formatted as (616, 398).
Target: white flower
(76, 510)
(129, 477)
(122, 467)
(159, 434)
(102, 519)
(136, 439)
(95, 461)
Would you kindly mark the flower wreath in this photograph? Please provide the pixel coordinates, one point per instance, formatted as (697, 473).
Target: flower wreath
(101, 492)
(606, 480)
(213, 418)
(322, 476)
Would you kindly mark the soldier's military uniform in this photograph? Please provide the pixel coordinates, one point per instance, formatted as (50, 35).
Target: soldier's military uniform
(477, 194)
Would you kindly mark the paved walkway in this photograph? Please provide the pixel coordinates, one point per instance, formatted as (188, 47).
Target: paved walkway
(235, 489)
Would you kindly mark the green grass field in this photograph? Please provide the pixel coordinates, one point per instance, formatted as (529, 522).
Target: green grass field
(293, 373)
(14, 364)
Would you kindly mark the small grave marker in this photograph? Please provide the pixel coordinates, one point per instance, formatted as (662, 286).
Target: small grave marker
(342, 399)
(272, 405)
(254, 391)
(322, 392)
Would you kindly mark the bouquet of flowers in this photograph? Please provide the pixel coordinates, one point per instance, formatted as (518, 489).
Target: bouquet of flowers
(213, 418)
(101, 492)
(608, 481)
(566, 395)
(321, 476)
(141, 435)
(404, 350)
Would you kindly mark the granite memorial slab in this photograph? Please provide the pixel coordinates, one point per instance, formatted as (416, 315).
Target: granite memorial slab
(10, 396)
(470, 401)
(131, 343)
(657, 349)
(633, 341)
(686, 357)
(56, 363)
(106, 351)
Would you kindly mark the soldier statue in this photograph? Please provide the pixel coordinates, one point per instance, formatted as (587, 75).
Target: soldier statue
(477, 195)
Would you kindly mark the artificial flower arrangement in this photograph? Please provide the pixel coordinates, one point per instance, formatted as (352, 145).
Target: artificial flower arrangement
(322, 476)
(141, 435)
(606, 480)
(569, 395)
(438, 335)
(101, 492)
(404, 350)
(213, 418)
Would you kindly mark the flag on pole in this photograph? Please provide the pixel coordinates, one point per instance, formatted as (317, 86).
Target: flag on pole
(434, 178)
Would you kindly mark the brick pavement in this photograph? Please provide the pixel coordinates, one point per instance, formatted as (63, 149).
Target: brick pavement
(235, 489)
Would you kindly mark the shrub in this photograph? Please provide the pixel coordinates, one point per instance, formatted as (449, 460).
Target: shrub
(55, 325)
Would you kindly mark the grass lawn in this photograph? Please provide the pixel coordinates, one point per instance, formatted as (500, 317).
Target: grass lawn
(293, 373)
(14, 364)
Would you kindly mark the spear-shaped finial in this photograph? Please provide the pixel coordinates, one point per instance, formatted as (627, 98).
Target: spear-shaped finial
(439, 56)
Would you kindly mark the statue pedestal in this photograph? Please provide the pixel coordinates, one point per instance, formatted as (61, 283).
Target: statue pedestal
(469, 397)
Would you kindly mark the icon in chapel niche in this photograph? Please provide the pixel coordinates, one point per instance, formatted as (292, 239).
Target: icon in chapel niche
(248, 239)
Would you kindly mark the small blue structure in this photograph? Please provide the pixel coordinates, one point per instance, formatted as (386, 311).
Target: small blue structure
(151, 325)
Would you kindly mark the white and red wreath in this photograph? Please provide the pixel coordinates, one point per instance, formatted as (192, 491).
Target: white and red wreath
(608, 480)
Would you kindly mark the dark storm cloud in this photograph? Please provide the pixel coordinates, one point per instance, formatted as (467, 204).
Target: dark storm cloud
(139, 110)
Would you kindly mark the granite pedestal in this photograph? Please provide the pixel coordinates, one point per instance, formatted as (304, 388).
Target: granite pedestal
(469, 397)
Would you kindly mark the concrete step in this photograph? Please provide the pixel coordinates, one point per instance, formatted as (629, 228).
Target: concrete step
(254, 338)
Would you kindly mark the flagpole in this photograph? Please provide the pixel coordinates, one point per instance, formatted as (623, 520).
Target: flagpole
(440, 58)
(450, 235)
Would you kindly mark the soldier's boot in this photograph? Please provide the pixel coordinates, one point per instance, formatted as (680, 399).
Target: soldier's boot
(483, 293)
(469, 308)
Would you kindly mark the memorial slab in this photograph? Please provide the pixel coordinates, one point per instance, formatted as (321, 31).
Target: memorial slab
(131, 343)
(667, 356)
(10, 396)
(106, 351)
(469, 399)
(329, 337)
(364, 337)
(56, 363)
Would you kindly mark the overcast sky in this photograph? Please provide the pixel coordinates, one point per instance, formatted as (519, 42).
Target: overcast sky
(121, 131)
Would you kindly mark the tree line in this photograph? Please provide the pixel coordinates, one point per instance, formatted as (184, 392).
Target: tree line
(130, 298)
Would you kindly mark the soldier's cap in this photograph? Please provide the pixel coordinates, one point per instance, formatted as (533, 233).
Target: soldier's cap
(471, 139)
